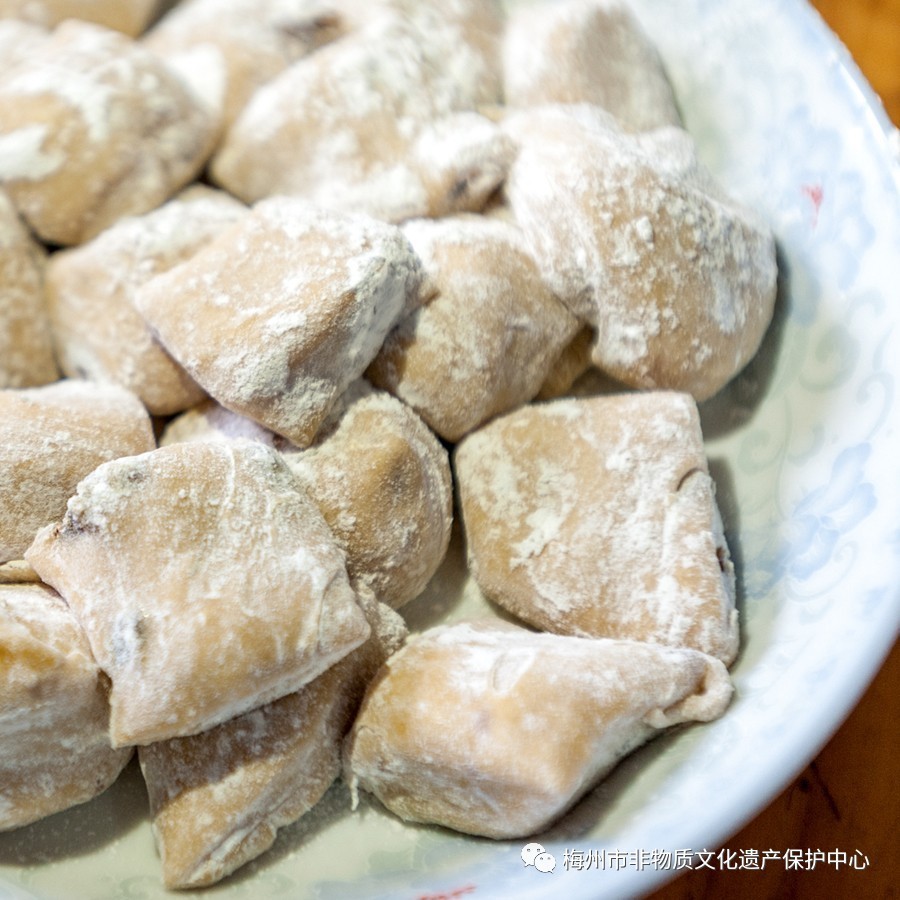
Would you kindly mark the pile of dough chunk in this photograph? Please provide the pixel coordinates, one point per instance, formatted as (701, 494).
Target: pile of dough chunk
(306, 308)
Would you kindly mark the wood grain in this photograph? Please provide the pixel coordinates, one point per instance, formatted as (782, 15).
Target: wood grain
(870, 29)
(848, 797)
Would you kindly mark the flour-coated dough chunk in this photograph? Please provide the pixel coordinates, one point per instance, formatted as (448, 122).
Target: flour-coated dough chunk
(382, 481)
(93, 127)
(26, 345)
(206, 582)
(381, 121)
(227, 49)
(218, 798)
(487, 336)
(50, 438)
(587, 51)
(54, 711)
(99, 334)
(210, 421)
(493, 730)
(282, 311)
(634, 236)
(130, 17)
(597, 517)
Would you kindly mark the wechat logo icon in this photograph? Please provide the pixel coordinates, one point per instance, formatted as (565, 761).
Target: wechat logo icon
(535, 855)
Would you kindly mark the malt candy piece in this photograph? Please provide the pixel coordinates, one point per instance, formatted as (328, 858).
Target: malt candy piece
(99, 334)
(54, 711)
(218, 798)
(632, 234)
(50, 438)
(282, 311)
(92, 128)
(587, 51)
(206, 582)
(497, 731)
(26, 345)
(382, 481)
(487, 337)
(598, 518)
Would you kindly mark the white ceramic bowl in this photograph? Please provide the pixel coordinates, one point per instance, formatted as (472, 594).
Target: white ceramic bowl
(805, 447)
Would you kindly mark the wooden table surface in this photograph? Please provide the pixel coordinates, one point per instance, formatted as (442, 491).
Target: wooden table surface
(849, 796)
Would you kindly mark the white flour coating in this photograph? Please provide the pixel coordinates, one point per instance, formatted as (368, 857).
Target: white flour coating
(277, 316)
(587, 51)
(18, 41)
(86, 76)
(203, 67)
(598, 518)
(678, 282)
(227, 50)
(22, 155)
(131, 130)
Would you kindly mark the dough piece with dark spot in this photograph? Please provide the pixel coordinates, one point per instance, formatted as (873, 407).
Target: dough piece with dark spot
(206, 582)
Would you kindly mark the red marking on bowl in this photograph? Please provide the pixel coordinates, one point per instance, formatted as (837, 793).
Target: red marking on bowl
(815, 194)
(449, 895)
